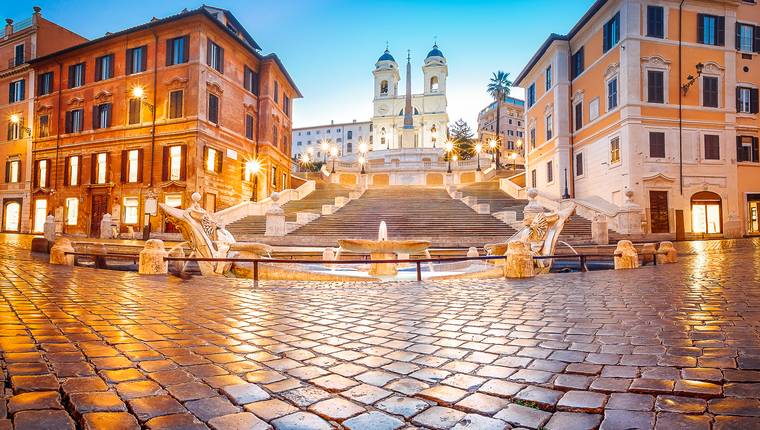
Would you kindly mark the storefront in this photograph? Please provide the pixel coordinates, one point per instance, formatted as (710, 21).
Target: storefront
(706, 213)
(753, 207)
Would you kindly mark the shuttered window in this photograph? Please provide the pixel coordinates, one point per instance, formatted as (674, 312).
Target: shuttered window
(656, 144)
(579, 164)
(711, 29)
(249, 126)
(656, 22)
(174, 163)
(250, 80)
(101, 116)
(746, 100)
(131, 166)
(712, 147)
(212, 160)
(137, 60)
(213, 108)
(177, 50)
(710, 91)
(215, 56)
(74, 121)
(16, 91)
(577, 63)
(611, 32)
(135, 108)
(655, 86)
(104, 67)
(176, 101)
(45, 84)
(76, 75)
(747, 149)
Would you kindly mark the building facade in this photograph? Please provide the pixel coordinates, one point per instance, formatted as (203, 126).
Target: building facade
(22, 41)
(154, 113)
(427, 122)
(345, 136)
(655, 104)
(511, 129)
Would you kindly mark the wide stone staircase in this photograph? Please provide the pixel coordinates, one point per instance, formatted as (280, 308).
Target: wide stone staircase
(323, 194)
(410, 212)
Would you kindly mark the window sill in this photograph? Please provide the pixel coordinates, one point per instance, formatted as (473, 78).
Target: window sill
(748, 163)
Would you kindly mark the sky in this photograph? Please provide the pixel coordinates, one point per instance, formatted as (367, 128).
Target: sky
(330, 47)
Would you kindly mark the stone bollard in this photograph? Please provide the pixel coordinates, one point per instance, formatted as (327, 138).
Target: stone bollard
(519, 261)
(667, 253)
(106, 231)
(329, 255)
(647, 253)
(152, 258)
(626, 256)
(275, 218)
(49, 228)
(59, 250)
(473, 252)
(533, 208)
(600, 235)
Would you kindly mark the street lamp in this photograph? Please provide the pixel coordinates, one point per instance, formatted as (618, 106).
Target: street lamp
(478, 149)
(334, 155)
(362, 151)
(449, 146)
(138, 92)
(690, 80)
(324, 145)
(16, 120)
(492, 145)
(362, 160)
(514, 161)
(252, 169)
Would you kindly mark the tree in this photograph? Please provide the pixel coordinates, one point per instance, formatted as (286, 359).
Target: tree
(463, 137)
(499, 87)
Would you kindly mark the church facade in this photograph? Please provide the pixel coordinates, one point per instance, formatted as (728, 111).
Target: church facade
(409, 120)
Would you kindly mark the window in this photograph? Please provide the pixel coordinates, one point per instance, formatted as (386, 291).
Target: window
(137, 60)
(176, 163)
(656, 22)
(593, 109)
(579, 164)
(213, 108)
(548, 75)
(276, 92)
(42, 174)
(747, 149)
(104, 67)
(251, 80)
(72, 210)
(384, 88)
(213, 162)
(76, 75)
(746, 100)
(578, 114)
(532, 94)
(40, 213)
(274, 177)
(549, 127)
(14, 129)
(100, 168)
(102, 116)
(75, 121)
(286, 105)
(274, 135)
(612, 94)
(745, 38)
(532, 135)
(533, 178)
(19, 57)
(611, 32)
(350, 134)
(249, 126)
(73, 170)
(16, 91)
(133, 168)
(656, 144)
(177, 50)
(710, 91)
(577, 63)
(176, 104)
(130, 210)
(615, 150)
(135, 111)
(45, 84)
(711, 30)
(215, 56)
(13, 171)
(549, 172)
(349, 147)
(655, 86)
(712, 147)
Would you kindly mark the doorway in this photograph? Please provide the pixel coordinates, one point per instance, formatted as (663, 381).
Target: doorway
(658, 211)
(753, 211)
(706, 213)
(12, 215)
(99, 208)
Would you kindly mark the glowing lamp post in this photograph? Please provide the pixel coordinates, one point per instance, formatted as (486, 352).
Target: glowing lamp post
(324, 146)
(478, 149)
(514, 161)
(252, 169)
(363, 152)
(16, 120)
(492, 146)
(334, 155)
(449, 146)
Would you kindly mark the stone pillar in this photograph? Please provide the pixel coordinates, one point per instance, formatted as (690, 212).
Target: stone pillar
(647, 253)
(533, 208)
(49, 228)
(152, 258)
(59, 250)
(106, 231)
(630, 216)
(626, 256)
(275, 218)
(732, 227)
(519, 261)
(473, 252)
(329, 255)
(600, 234)
(667, 253)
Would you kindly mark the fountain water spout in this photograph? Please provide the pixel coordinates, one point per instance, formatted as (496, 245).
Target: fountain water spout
(382, 232)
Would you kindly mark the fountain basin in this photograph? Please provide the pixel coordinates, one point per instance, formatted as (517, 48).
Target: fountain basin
(383, 250)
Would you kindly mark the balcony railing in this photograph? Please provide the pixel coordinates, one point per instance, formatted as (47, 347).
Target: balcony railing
(18, 60)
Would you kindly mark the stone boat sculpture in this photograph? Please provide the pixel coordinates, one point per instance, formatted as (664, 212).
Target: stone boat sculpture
(207, 238)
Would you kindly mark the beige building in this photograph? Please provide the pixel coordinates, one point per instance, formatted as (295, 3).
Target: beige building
(511, 129)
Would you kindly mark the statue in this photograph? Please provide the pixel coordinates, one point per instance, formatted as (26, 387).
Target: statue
(626, 256)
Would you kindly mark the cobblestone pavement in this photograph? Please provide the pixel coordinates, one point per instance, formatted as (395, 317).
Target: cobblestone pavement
(668, 347)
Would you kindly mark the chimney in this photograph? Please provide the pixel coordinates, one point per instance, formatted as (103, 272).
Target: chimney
(36, 15)
(8, 26)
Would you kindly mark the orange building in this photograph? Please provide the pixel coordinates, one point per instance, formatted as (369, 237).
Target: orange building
(154, 113)
(23, 41)
(651, 105)
(511, 129)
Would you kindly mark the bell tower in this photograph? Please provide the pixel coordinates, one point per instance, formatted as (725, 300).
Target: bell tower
(386, 76)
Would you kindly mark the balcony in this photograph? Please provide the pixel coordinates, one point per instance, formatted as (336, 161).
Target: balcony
(17, 61)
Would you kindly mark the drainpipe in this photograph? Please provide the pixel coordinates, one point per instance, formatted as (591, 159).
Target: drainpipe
(58, 125)
(153, 126)
(572, 137)
(680, 96)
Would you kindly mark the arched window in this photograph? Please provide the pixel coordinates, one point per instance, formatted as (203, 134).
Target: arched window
(349, 147)
(434, 84)
(12, 216)
(384, 87)
(706, 213)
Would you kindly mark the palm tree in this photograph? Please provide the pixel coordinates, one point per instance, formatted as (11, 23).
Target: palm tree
(498, 87)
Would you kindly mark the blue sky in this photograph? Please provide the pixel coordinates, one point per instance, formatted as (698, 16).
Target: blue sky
(330, 46)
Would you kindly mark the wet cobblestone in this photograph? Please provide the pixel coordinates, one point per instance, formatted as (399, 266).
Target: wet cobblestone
(663, 347)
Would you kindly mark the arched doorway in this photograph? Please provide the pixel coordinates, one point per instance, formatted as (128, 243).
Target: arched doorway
(706, 213)
(12, 216)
